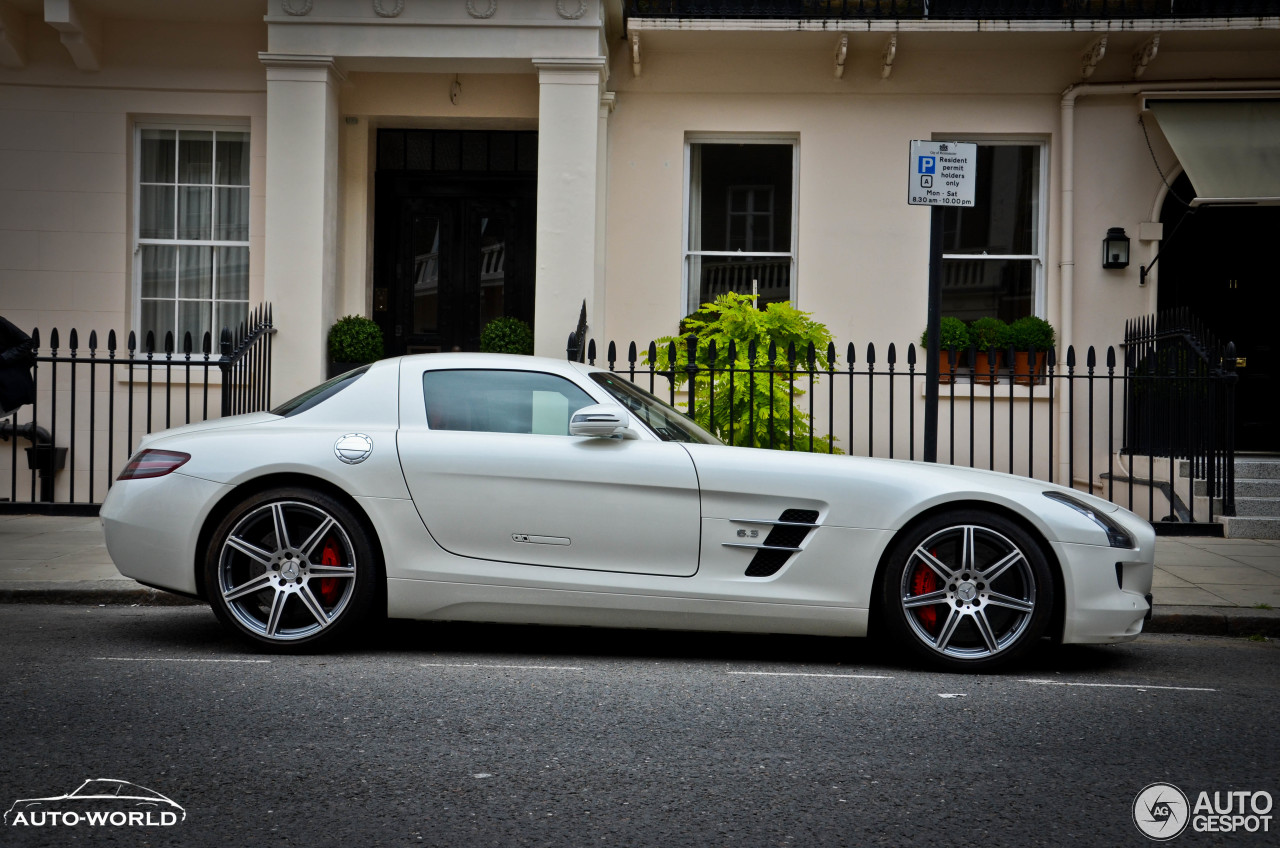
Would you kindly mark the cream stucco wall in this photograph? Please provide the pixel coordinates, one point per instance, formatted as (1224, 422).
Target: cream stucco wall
(66, 160)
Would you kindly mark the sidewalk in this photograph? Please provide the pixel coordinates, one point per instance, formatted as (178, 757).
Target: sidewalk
(1202, 585)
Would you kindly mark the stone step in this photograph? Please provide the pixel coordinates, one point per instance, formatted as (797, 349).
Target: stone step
(1250, 469)
(1245, 488)
(1237, 527)
(1252, 507)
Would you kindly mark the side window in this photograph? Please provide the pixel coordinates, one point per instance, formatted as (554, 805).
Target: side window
(501, 401)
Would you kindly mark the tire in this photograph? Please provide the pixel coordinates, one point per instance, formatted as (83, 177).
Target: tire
(973, 612)
(301, 593)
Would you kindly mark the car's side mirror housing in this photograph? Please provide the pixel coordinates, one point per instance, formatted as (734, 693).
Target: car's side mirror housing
(601, 419)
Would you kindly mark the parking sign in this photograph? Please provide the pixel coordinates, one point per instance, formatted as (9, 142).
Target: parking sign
(943, 173)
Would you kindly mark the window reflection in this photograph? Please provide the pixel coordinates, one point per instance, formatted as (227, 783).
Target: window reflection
(426, 273)
(493, 257)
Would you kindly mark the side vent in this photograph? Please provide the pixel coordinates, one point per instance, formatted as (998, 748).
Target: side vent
(788, 534)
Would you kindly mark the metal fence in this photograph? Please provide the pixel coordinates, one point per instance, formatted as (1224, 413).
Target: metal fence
(94, 404)
(1149, 431)
(951, 9)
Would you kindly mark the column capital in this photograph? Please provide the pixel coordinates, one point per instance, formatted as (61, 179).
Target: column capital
(582, 71)
(301, 67)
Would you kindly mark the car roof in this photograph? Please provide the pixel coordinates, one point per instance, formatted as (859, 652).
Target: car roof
(504, 361)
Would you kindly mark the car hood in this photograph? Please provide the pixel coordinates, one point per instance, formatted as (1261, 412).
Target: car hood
(880, 494)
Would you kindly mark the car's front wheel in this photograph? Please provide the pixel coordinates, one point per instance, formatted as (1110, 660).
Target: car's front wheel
(967, 590)
(291, 569)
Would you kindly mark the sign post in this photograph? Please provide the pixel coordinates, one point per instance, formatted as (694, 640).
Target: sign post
(941, 173)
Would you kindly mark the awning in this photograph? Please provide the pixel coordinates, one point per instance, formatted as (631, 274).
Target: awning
(1230, 148)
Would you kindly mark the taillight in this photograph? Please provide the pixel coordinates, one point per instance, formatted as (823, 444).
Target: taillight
(153, 463)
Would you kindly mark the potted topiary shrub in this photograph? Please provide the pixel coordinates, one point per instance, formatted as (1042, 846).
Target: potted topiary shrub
(506, 335)
(353, 341)
(952, 335)
(1026, 335)
(989, 336)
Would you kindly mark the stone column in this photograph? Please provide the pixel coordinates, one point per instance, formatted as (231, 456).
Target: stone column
(302, 202)
(568, 170)
(596, 311)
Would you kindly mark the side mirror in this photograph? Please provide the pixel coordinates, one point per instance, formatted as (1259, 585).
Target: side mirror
(601, 419)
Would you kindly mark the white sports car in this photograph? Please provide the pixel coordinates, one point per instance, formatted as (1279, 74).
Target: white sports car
(482, 487)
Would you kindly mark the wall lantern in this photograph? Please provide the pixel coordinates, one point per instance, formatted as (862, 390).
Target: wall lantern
(1115, 249)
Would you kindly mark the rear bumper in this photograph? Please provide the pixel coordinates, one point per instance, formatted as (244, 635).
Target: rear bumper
(151, 528)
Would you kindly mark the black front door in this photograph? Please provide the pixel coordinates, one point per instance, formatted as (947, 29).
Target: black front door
(1220, 263)
(453, 247)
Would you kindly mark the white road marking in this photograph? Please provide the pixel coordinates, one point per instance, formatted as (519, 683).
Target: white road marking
(953, 695)
(175, 659)
(1119, 685)
(478, 665)
(811, 674)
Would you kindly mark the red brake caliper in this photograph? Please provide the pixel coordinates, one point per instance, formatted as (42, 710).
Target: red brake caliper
(329, 586)
(924, 581)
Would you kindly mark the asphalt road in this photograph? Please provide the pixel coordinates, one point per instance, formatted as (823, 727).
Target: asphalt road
(472, 736)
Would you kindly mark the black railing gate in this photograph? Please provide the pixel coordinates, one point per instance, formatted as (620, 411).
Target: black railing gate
(93, 405)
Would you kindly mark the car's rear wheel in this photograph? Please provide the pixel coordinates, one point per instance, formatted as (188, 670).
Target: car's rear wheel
(291, 569)
(967, 590)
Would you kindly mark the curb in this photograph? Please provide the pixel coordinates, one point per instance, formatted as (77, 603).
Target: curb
(90, 592)
(1215, 621)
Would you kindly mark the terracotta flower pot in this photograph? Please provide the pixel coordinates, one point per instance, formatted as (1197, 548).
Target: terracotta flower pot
(1024, 372)
(944, 366)
(982, 370)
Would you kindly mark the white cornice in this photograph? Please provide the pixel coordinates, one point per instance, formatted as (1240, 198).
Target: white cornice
(553, 23)
(301, 62)
(895, 25)
(573, 70)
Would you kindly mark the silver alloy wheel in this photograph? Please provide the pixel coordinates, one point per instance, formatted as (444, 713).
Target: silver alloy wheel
(968, 592)
(272, 573)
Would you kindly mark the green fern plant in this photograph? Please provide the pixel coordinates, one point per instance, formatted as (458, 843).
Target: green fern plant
(765, 412)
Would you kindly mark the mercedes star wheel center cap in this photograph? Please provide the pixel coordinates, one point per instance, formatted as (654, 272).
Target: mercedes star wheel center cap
(353, 448)
(967, 591)
(290, 571)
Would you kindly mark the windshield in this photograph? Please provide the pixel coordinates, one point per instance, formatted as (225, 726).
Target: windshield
(667, 423)
(319, 394)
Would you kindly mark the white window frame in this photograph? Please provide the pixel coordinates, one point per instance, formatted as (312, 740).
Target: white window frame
(1038, 295)
(689, 288)
(135, 178)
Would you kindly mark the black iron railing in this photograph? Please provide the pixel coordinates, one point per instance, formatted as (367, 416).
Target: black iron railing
(952, 9)
(94, 404)
(1060, 420)
(1179, 403)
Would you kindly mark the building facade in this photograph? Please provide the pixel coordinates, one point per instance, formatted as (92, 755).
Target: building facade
(433, 164)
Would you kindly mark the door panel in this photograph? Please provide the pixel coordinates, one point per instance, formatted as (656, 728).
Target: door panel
(537, 496)
(566, 501)
(429, 241)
